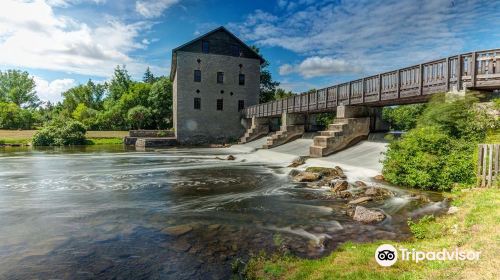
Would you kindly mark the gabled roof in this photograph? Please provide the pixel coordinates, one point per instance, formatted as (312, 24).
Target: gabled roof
(221, 28)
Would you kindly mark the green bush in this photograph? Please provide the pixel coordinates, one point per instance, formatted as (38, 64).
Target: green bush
(324, 119)
(428, 158)
(403, 117)
(439, 153)
(60, 134)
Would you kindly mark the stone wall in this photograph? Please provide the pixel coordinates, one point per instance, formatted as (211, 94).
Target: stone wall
(208, 125)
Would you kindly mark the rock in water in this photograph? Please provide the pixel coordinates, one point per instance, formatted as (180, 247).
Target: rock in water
(301, 160)
(177, 230)
(340, 186)
(305, 176)
(378, 193)
(360, 184)
(230, 157)
(360, 200)
(365, 215)
(379, 178)
(340, 172)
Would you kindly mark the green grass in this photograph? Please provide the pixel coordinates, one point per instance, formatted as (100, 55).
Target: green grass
(493, 137)
(475, 227)
(104, 141)
(23, 137)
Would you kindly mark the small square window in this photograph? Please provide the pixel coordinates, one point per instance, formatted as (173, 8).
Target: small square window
(241, 79)
(197, 75)
(220, 77)
(197, 103)
(220, 104)
(241, 105)
(205, 47)
(235, 50)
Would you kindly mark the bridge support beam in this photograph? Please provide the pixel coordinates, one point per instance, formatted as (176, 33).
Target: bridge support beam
(345, 111)
(377, 123)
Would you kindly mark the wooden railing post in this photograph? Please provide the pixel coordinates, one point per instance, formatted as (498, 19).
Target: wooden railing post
(379, 87)
(421, 78)
(363, 90)
(459, 72)
(447, 74)
(349, 94)
(398, 82)
(473, 70)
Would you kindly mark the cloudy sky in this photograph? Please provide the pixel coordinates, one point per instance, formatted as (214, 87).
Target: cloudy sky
(310, 44)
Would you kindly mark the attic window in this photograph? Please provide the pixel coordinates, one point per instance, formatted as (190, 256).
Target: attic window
(235, 50)
(205, 46)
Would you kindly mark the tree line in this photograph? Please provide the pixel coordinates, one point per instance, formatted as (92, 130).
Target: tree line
(118, 104)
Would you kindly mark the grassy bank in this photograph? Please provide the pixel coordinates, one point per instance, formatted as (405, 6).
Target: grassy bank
(476, 226)
(23, 137)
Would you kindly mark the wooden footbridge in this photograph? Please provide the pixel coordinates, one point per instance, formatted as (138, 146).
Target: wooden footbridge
(414, 84)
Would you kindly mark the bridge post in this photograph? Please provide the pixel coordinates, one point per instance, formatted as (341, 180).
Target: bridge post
(379, 87)
(421, 78)
(459, 72)
(473, 70)
(398, 83)
(447, 74)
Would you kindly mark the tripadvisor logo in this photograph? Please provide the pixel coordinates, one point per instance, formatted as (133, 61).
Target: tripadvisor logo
(387, 255)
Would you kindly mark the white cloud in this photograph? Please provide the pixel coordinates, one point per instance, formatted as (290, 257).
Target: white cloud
(373, 35)
(32, 36)
(153, 8)
(319, 66)
(51, 91)
(66, 3)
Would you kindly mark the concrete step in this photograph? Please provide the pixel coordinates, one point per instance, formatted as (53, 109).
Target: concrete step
(331, 133)
(322, 140)
(316, 151)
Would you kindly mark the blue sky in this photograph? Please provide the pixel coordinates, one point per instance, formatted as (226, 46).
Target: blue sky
(310, 44)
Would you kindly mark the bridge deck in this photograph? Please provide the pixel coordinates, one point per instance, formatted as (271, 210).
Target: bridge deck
(412, 84)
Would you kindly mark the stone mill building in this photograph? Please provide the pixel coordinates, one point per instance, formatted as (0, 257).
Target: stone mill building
(215, 77)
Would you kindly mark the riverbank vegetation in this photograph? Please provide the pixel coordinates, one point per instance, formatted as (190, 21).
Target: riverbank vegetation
(439, 151)
(473, 227)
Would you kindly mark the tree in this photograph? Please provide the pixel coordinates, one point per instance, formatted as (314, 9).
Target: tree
(403, 117)
(19, 88)
(138, 115)
(160, 100)
(149, 77)
(267, 85)
(90, 94)
(281, 93)
(120, 83)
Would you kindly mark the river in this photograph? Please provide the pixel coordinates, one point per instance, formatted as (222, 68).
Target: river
(110, 212)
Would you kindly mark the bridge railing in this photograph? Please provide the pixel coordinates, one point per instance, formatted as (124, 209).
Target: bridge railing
(472, 70)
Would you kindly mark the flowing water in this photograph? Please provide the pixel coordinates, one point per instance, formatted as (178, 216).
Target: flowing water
(108, 212)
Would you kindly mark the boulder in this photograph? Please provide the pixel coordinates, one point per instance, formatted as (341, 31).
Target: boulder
(345, 194)
(324, 171)
(294, 172)
(340, 186)
(360, 200)
(305, 176)
(365, 215)
(177, 230)
(299, 161)
(378, 192)
(360, 184)
(379, 177)
(230, 157)
(340, 172)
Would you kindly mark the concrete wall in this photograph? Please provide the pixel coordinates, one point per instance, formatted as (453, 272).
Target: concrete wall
(209, 125)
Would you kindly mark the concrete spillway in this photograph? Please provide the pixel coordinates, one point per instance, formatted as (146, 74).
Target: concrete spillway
(365, 155)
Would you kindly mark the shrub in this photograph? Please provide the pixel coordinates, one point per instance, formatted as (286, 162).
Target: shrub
(324, 119)
(58, 134)
(138, 115)
(428, 158)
